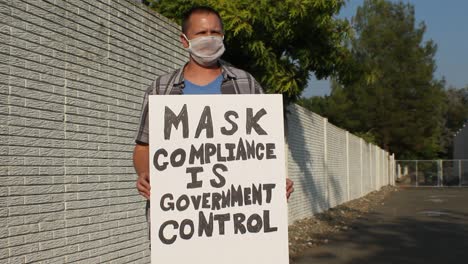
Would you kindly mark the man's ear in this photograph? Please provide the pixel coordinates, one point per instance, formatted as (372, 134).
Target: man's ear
(184, 40)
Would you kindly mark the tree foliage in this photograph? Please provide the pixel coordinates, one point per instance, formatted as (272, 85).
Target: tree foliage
(455, 117)
(279, 42)
(457, 108)
(395, 99)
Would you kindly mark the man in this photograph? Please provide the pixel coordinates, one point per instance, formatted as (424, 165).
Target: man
(204, 74)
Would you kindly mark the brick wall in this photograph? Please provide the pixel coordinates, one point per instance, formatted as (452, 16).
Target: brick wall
(72, 77)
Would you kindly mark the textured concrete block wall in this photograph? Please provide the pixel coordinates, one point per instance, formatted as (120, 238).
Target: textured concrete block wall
(337, 162)
(329, 165)
(366, 175)
(72, 77)
(355, 163)
(306, 163)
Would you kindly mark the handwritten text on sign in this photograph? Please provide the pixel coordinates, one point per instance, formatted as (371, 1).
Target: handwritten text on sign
(217, 175)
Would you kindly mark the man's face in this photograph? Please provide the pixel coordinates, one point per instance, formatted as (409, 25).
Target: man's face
(202, 24)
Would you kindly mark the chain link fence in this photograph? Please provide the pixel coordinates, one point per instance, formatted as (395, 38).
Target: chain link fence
(432, 173)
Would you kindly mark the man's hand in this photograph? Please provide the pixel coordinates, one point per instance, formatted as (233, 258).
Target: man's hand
(141, 164)
(289, 188)
(143, 185)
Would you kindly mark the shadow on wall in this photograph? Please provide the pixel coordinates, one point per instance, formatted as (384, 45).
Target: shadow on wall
(307, 165)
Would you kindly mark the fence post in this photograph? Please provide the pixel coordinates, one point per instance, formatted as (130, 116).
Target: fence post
(394, 169)
(347, 166)
(459, 173)
(362, 165)
(417, 174)
(398, 170)
(389, 166)
(383, 170)
(325, 160)
(376, 167)
(384, 167)
(377, 171)
(440, 174)
(374, 158)
(370, 166)
(391, 169)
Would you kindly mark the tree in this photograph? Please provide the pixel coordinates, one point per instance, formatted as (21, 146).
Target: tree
(457, 108)
(394, 99)
(279, 42)
(401, 101)
(408, 101)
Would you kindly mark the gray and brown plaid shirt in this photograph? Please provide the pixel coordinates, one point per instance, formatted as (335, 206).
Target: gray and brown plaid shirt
(235, 81)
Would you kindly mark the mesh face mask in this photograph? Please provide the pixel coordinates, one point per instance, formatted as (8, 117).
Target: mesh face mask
(206, 50)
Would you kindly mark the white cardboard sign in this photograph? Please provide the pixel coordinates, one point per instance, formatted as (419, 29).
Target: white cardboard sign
(217, 173)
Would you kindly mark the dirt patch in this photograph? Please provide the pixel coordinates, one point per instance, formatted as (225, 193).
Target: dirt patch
(316, 230)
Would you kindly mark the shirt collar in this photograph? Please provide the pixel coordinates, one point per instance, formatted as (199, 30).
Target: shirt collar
(225, 71)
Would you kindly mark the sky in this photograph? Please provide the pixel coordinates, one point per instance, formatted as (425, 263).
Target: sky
(446, 24)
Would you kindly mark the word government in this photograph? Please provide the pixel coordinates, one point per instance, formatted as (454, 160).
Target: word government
(257, 194)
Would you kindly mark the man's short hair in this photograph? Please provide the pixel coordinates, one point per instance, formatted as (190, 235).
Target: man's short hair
(199, 10)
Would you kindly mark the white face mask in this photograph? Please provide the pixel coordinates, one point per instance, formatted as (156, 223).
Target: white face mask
(206, 50)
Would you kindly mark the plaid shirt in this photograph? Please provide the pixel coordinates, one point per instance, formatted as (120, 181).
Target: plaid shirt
(235, 81)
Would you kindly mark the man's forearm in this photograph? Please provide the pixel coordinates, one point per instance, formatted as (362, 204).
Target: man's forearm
(141, 159)
(141, 165)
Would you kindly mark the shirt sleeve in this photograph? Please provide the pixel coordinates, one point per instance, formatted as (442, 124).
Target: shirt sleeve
(258, 88)
(142, 136)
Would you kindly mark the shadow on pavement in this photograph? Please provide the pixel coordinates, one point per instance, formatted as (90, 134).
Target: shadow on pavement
(415, 226)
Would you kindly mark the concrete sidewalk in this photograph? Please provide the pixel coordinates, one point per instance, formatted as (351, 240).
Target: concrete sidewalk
(426, 225)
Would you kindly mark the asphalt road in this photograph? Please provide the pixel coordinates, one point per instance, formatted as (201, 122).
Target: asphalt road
(426, 225)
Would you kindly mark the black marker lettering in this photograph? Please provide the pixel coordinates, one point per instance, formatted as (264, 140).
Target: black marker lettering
(196, 154)
(163, 239)
(222, 218)
(195, 183)
(266, 221)
(268, 187)
(210, 150)
(159, 152)
(270, 151)
(259, 153)
(257, 194)
(182, 203)
(234, 128)
(170, 119)
(186, 223)
(254, 223)
(241, 153)
(222, 180)
(205, 225)
(169, 206)
(252, 121)
(238, 223)
(178, 157)
(205, 123)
